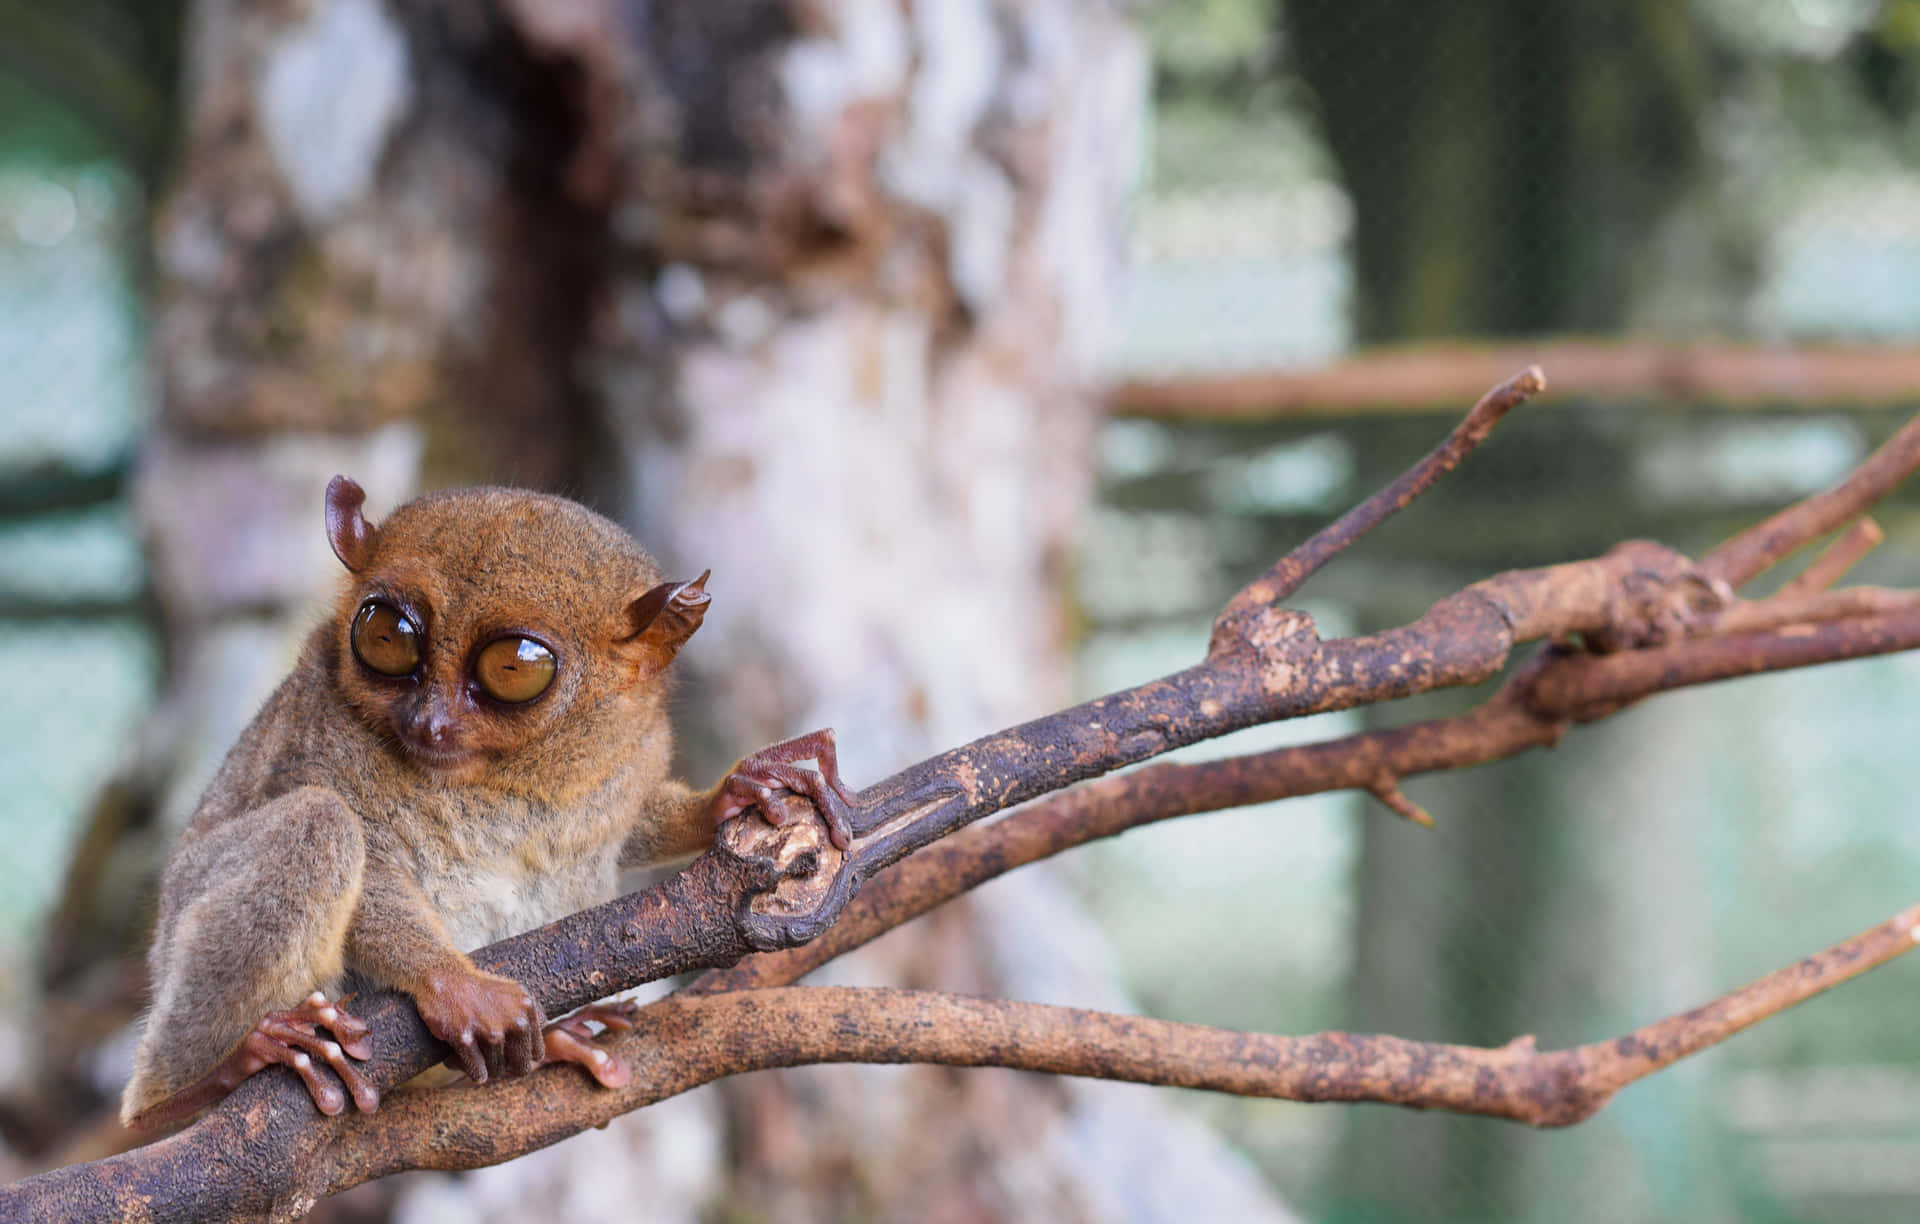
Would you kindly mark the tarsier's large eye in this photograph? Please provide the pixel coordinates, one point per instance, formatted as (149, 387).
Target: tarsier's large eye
(385, 640)
(514, 669)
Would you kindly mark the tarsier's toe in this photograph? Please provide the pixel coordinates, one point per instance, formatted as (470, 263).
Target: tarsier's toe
(571, 1041)
(292, 1038)
(348, 1029)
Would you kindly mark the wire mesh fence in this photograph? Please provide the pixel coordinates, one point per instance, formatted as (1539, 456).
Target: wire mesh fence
(1325, 179)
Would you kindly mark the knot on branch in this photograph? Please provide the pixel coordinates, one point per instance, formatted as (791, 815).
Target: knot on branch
(1560, 1089)
(1663, 598)
(798, 880)
(1266, 631)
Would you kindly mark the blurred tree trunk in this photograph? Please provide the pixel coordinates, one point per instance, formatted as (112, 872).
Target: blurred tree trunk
(806, 293)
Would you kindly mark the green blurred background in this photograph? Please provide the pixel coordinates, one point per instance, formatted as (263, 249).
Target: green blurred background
(1322, 176)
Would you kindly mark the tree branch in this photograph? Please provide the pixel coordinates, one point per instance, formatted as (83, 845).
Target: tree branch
(1652, 620)
(1421, 376)
(1297, 566)
(682, 1042)
(1556, 690)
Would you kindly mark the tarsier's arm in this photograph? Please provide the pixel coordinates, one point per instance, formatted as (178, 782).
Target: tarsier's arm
(674, 821)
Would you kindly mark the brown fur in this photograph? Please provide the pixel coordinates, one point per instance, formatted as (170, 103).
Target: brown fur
(331, 841)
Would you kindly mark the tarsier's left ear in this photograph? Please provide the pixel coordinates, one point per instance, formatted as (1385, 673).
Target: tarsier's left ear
(661, 621)
(347, 531)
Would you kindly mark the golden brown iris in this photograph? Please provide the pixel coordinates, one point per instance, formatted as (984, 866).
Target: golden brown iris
(514, 669)
(385, 640)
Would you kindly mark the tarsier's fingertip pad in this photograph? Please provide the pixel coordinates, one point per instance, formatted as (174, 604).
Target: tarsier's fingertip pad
(615, 1074)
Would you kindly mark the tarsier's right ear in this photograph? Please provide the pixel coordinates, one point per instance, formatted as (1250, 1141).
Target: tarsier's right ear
(347, 531)
(662, 620)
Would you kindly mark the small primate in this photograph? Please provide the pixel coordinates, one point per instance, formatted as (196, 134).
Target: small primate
(473, 744)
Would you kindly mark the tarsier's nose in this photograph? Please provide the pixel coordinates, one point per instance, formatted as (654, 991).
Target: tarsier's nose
(431, 724)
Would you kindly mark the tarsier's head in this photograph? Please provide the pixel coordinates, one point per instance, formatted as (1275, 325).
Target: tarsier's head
(473, 622)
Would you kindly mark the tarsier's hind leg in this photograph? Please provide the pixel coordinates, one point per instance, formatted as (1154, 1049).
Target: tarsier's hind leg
(273, 890)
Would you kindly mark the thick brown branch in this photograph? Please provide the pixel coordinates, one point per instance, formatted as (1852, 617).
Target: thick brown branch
(1533, 710)
(688, 1040)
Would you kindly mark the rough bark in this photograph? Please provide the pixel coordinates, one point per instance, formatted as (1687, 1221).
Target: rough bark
(1652, 620)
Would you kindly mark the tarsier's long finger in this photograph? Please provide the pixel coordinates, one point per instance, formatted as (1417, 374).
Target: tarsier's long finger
(616, 1017)
(834, 798)
(740, 791)
(327, 1097)
(289, 1042)
(347, 1029)
(565, 1046)
(826, 754)
(832, 807)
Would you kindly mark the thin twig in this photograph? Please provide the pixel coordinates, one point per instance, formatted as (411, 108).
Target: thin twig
(1792, 607)
(1837, 559)
(1755, 550)
(1297, 566)
(1532, 710)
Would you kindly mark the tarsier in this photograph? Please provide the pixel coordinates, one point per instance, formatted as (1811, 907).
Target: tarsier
(473, 744)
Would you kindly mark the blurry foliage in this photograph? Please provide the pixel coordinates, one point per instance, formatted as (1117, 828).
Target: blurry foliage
(89, 79)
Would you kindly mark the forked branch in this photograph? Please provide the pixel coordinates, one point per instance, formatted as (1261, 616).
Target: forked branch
(1635, 622)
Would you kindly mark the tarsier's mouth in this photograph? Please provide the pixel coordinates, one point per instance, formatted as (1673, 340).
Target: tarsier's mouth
(440, 758)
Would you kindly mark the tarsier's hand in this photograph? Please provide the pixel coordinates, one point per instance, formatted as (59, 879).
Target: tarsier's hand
(756, 782)
(492, 1023)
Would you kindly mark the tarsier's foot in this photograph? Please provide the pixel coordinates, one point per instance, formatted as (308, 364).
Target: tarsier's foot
(293, 1039)
(570, 1040)
(757, 780)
